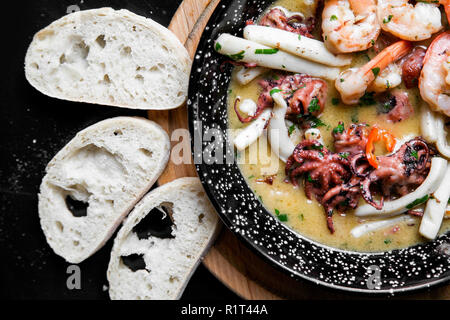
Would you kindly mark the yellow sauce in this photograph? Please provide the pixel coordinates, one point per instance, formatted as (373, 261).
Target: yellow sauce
(307, 217)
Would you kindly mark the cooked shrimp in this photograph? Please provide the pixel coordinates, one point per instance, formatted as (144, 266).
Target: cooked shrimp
(352, 83)
(447, 70)
(389, 78)
(434, 82)
(407, 21)
(349, 25)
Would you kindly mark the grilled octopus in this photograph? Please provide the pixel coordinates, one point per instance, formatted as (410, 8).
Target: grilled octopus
(327, 177)
(276, 18)
(304, 94)
(397, 174)
(337, 180)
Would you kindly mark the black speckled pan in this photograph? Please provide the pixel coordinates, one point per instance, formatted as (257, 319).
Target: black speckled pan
(392, 272)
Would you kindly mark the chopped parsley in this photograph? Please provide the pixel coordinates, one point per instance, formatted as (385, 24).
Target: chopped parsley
(275, 90)
(266, 51)
(367, 99)
(299, 37)
(388, 19)
(344, 155)
(341, 80)
(418, 201)
(372, 42)
(301, 216)
(335, 101)
(339, 128)
(291, 129)
(313, 121)
(387, 241)
(376, 71)
(251, 177)
(333, 18)
(218, 46)
(415, 154)
(237, 56)
(281, 217)
(314, 105)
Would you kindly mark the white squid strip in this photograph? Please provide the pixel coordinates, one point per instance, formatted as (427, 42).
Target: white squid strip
(365, 228)
(435, 209)
(433, 130)
(253, 131)
(246, 75)
(301, 46)
(244, 51)
(280, 142)
(395, 207)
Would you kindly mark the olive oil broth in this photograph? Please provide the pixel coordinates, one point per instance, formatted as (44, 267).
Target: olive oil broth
(289, 203)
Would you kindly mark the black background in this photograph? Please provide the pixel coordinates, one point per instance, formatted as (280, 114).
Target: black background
(33, 128)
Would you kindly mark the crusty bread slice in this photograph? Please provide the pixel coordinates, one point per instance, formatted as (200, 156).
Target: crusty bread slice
(148, 264)
(96, 179)
(109, 57)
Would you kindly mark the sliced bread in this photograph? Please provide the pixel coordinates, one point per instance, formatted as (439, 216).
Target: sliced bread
(161, 242)
(110, 57)
(96, 179)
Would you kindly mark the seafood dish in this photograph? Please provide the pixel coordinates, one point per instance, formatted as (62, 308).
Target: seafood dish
(339, 113)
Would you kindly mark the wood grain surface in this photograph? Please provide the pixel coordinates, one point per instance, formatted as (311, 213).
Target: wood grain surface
(229, 260)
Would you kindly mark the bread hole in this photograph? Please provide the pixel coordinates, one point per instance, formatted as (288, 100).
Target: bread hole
(76, 243)
(140, 78)
(35, 65)
(112, 98)
(134, 262)
(172, 279)
(146, 152)
(76, 207)
(62, 59)
(101, 40)
(157, 223)
(134, 28)
(118, 132)
(200, 217)
(103, 65)
(165, 48)
(59, 226)
(149, 286)
(83, 49)
(106, 79)
(126, 51)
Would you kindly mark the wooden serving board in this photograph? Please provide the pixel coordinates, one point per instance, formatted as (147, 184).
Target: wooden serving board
(229, 260)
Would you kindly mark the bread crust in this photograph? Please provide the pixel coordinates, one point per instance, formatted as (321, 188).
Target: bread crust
(142, 65)
(169, 262)
(107, 167)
